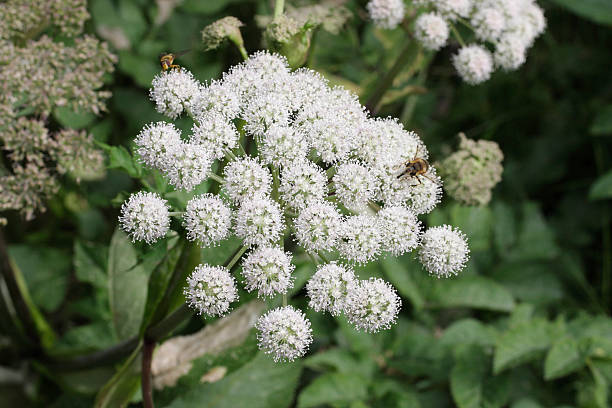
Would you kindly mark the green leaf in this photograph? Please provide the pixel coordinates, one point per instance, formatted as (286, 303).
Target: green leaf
(598, 11)
(140, 68)
(602, 187)
(476, 292)
(468, 331)
(46, 272)
(602, 125)
(404, 280)
(504, 227)
(533, 282)
(475, 222)
(521, 343)
(97, 335)
(333, 388)
(205, 7)
(90, 263)
(119, 390)
(160, 279)
(261, 383)
(74, 120)
(536, 239)
(563, 358)
(120, 158)
(127, 286)
(466, 380)
(341, 361)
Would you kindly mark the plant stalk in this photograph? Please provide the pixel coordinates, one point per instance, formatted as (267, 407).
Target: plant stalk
(409, 53)
(147, 358)
(279, 7)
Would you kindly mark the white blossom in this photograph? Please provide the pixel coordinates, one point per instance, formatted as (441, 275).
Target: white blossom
(452, 9)
(372, 305)
(145, 217)
(360, 238)
(318, 226)
(386, 14)
(207, 220)
(301, 182)
(474, 64)
(174, 92)
(328, 288)
(489, 23)
(444, 251)
(210, 290)
(268, 270)
(281, 146)
(188, 166)
(215, 133)
(510, 52)
(400, 228)
(431, 30)
(156, 142)
(259, 221)
(284, 333)
(245, 177)
(218, 97)
(355, 185)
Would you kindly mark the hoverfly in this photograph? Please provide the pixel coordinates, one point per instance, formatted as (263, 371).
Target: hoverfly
(166, 59)
(415, 168)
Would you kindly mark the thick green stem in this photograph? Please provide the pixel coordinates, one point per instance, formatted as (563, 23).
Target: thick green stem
(218, 179)
(279, 7)
(457, 35)
(411, 100)
(236, 257)
(410, 53)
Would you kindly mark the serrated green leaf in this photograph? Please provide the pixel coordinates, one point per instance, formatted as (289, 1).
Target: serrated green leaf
(563, 358)
(504, 227)
(90, 263)
(475, 222)
(533, 282)
(404, 280)
(140, 68)
(602, 187)
(476, 292)
(521, 343)
(466, 380)
(127, 286)
(74, 120)
(341, 361)
(120, 158)
(602, 125)
(536, 240)
(46, 272)
(468, 331)
(598, 11)
(333, 388)
(261, 383)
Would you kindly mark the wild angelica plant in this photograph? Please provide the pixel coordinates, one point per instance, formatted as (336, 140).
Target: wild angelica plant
(38, 75)
(508, 27)
(322, 172)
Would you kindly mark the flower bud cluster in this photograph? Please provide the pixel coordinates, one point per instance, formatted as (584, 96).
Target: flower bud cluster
(472, 171)
(505, 28)
(326, 174)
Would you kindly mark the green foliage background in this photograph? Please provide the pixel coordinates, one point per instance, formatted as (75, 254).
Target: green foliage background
(526, 325)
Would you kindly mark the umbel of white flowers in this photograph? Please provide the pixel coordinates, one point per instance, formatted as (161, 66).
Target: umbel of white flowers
(326, 175)
(507, 27)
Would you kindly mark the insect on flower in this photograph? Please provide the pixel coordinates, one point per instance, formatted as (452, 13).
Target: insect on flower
(166, 59)
(414, 168)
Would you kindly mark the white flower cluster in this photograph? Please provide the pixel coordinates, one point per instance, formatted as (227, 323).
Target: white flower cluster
(386, 13)
(326, 174)
(508, 27)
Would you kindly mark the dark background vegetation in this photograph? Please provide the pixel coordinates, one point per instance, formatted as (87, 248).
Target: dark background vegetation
(526, 325)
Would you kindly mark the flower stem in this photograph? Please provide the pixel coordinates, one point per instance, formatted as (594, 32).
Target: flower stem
(218, 179)
(410, 52)
(279, 7)
(457, 35)
(145, 374)
(236, 257)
